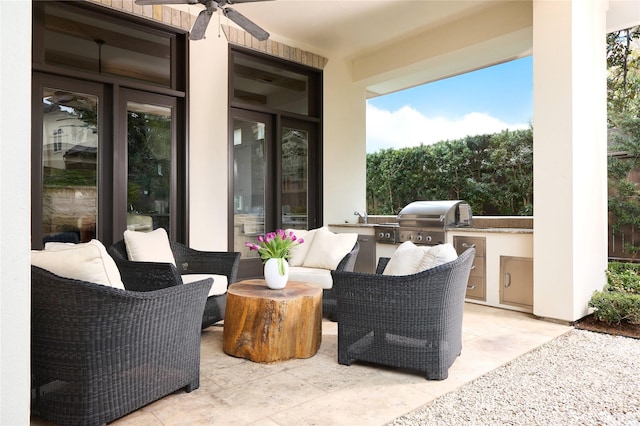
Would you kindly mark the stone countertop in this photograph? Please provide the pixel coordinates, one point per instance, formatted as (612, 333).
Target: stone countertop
(353, 225)
(365, 226)
(488, 224)
(492, 230)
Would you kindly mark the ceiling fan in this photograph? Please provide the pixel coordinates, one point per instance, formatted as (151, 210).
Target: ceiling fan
(202, 21)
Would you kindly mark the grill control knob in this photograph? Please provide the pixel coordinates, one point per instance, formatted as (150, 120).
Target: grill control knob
(387, 235)
(428, 237)
(381, 234)
(419, 238)
(409, 237)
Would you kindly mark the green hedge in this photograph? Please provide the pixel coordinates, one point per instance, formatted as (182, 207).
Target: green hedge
(620, 299)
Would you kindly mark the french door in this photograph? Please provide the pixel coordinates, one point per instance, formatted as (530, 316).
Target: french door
(100, 166)
(151, 172)
(271, 190)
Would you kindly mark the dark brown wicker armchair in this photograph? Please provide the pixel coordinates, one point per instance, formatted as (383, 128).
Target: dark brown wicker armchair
(411, 321)
(98, 353)
(145, 276)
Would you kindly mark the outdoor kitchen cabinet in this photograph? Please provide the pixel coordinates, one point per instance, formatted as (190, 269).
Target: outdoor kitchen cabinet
(516, 281)
(366, 260)
(476, 288)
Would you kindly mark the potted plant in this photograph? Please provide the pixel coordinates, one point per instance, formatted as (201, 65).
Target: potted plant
(274, 250)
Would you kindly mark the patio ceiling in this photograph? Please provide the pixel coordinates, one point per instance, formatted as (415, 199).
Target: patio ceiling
(356, 29)
(352, 28)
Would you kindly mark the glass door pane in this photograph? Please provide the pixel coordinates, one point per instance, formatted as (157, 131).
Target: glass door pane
(70, 168)
(295, 147)
(249, 172)
(149, 145)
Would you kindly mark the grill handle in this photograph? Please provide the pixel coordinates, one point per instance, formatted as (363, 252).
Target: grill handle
(465, 245)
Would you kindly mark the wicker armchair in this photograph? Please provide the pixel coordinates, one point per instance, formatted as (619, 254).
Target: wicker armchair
(411, 321)
(146, 276)
(98, 353)
(329, 295)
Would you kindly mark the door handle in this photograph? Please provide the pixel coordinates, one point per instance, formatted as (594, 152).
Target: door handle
(507, 280)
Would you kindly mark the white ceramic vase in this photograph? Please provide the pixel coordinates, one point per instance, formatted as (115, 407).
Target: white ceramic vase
(272, 273)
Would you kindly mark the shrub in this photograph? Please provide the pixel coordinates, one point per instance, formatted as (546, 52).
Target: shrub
(620, 299)
(614, 307)
(625, 281)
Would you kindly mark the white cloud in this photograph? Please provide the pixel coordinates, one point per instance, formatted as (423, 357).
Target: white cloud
(407, 127)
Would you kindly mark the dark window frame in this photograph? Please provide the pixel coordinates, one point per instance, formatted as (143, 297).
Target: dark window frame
(281, 119)
(111, 184)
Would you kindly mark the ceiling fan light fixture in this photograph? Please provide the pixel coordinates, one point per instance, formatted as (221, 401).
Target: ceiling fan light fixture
(202, 21)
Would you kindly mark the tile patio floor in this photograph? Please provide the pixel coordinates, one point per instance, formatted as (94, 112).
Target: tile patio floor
(319, 391)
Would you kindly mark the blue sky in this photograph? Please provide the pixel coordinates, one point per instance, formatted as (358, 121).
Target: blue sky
(484, 101)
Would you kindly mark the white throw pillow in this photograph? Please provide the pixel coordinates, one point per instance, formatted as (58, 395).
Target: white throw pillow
(299, 252)
(406, 260)
(328, 249)
(83, 261)
(149, 246)
(220, 282)
(438, 255)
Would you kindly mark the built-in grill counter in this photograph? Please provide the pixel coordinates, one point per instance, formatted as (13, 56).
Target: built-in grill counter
(424, 222)
(503, 269)
(502, 274)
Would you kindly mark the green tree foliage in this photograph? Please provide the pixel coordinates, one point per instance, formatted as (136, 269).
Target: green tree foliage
(623, 103)
(493, 173)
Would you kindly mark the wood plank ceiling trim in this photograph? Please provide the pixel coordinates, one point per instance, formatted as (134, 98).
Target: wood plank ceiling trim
(185, 20)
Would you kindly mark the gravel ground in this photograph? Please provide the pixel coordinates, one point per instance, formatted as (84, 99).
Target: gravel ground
(580, 378)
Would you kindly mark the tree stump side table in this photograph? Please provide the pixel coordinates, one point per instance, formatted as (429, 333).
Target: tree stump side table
(265, 325)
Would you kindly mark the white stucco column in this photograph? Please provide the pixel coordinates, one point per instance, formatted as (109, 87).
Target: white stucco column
(208, 142)
(15, 198)
(344, 139)
(570, 213)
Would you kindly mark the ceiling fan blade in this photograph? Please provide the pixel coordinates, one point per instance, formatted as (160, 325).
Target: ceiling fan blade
(245, 23)
(152, 2)
(200, 26)
(243, 1)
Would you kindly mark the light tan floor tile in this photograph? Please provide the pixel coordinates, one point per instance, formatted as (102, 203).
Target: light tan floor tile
(319, 391)
(373, 401)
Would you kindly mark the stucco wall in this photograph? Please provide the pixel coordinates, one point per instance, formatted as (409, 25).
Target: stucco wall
(345, 167)
(570, 246)
(208, 152)
(15, 241)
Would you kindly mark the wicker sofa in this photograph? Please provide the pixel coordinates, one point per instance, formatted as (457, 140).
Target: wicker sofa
(407, 321)
(189, 265)
(322, 252)
(98, 352)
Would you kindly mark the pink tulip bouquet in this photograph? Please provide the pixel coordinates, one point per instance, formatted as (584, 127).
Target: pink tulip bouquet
(275, 245)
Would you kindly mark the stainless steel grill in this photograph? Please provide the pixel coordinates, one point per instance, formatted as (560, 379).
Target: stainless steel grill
(425, 222)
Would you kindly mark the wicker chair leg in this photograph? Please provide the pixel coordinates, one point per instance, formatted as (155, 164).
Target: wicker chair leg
(437, 376)
(344, 360)
(192, 386)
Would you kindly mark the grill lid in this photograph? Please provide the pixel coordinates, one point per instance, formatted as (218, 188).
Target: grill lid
(439, 213)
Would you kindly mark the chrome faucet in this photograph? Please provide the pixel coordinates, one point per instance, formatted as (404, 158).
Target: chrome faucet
(363, 215)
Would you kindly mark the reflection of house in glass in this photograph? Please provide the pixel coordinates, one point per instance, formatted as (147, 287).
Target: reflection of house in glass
(69, 174)
(80, 157)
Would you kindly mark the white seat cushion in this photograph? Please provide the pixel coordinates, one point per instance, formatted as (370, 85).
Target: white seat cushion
(438, 255)
(219, 282)
(316, 276)
(410, 259)
(328, 249)
(406, 259)
(149, 246)
(83, 261)
(298, 253)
